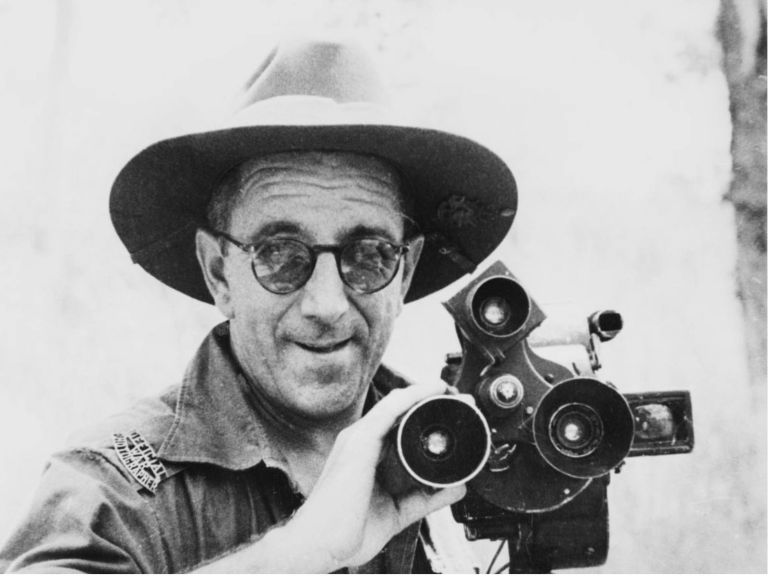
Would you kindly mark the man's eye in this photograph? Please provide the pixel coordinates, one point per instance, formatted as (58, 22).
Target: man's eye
(279, 251)
(275, 251)
(372, 253)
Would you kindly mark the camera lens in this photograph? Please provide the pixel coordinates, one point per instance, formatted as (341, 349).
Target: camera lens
(443, 441)
(437, 442)
(583, 427)
(576, 430)
(500, 307)
(495, 310)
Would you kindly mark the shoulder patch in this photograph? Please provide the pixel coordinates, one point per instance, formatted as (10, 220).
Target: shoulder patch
(140, 459)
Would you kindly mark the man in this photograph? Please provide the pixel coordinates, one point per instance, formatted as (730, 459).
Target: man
(308, 223)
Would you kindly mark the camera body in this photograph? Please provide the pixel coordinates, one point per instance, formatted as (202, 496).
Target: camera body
(555, 430)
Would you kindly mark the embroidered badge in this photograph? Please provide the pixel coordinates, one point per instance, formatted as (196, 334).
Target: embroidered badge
(140, 459)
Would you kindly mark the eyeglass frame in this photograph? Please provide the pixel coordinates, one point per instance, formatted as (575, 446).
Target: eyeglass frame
(315, 250)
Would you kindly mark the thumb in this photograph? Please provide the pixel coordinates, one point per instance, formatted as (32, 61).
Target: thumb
(421, 502)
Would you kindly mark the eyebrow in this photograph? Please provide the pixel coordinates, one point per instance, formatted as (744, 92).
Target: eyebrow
(362, 230)
(288, 227)
(274, 228)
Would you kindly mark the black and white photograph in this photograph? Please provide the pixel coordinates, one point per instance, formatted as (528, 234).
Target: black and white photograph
(383, 286)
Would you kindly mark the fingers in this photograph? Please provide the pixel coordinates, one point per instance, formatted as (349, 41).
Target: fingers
(453, 391)
(419, 503)
(383, 416)
(359, 446)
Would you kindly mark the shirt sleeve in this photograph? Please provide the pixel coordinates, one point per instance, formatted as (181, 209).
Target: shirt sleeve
(86, 517)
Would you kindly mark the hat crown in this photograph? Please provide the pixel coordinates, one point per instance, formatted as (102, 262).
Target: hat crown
(341, 71)
(313, 96)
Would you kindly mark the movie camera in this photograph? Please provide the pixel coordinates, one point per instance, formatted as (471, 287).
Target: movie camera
(538, 447)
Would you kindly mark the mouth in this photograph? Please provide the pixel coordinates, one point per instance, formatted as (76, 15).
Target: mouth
(323, 347)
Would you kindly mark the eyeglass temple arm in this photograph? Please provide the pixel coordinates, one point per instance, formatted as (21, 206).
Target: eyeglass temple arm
(223, 235)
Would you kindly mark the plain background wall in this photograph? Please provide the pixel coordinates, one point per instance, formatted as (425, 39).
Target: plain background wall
(612, 115)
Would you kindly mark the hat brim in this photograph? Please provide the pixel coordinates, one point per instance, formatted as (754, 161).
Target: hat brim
(465, 195)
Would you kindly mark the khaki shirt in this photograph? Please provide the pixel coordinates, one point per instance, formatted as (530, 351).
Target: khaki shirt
(174, 482)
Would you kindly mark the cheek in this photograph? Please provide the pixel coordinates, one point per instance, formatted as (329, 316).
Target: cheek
(247, 296)
(240, 279)
(381, 315)
(256, 312)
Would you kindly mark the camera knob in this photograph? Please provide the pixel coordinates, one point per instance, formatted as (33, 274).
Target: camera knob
(503, 392)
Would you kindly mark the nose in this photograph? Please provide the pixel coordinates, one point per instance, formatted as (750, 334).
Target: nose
(323, 296)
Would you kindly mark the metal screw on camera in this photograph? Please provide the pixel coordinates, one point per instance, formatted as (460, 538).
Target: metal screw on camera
(506, 391)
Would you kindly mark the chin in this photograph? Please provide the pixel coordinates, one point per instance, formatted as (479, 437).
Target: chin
(329, 398)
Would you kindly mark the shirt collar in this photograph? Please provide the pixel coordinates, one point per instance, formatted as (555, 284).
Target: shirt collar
(213, 423)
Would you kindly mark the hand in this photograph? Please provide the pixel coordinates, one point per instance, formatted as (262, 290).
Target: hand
(348, 518)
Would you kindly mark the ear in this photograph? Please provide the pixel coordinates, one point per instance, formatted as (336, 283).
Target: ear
(211, 260)
(410, 261)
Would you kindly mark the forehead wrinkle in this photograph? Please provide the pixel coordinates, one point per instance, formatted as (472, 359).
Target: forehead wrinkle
(291, 176)
(275, 200)
(380, 196)
(389, 204)
(344, 169)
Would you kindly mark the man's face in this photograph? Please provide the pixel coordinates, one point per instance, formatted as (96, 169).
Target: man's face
(313, 352)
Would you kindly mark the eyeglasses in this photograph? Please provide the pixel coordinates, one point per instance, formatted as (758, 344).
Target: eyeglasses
(283, 265)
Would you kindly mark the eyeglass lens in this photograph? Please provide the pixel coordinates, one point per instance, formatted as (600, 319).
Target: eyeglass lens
(283, 265)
